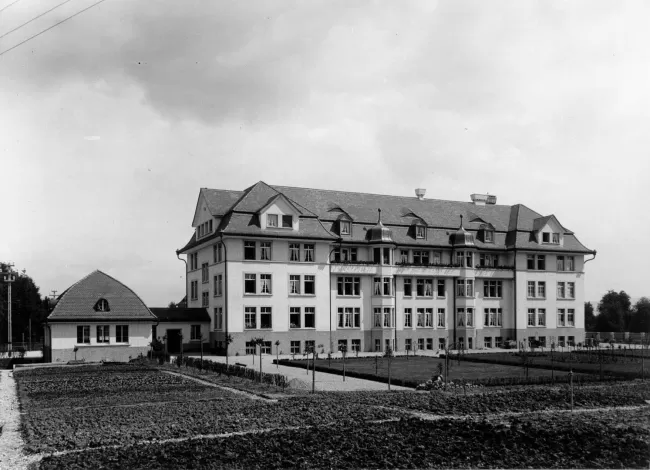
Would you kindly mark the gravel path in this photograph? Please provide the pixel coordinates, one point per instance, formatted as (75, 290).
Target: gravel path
(11, 441)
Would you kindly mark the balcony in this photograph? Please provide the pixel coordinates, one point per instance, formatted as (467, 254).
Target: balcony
(419, 269)
(495, 272)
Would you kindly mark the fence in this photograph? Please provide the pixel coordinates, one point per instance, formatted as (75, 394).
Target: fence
(278, 380)
(21, 347)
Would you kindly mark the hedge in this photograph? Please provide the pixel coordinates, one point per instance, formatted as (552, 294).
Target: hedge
(278, 380)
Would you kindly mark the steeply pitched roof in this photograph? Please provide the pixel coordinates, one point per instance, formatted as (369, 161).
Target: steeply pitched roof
(180, 315)
(509, 222)
(79, 300)
(219, 200)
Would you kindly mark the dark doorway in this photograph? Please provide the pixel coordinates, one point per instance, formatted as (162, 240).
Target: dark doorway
(173, 341)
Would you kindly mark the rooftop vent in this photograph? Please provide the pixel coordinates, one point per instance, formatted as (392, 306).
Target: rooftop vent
(420, 192)
(483, 199)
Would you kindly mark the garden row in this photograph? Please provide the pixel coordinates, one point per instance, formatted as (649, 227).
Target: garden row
(605, 440)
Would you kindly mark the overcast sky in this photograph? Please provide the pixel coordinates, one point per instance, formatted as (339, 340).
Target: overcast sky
(112, 121)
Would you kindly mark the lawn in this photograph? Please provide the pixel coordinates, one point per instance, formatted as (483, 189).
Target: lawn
(142, 417)
(419, 369)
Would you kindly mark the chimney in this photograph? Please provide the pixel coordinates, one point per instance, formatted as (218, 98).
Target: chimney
(420, 192)
(483, 199)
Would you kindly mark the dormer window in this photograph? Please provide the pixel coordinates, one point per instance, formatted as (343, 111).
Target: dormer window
(551, 237)
(287, 221)
(102, 306)
(556, 238)
(272, 220)
(345, 227)
(488, 236)
(204, 229)
(420, 231)
(546, 237)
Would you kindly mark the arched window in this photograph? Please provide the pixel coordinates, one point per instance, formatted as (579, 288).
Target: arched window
(102, 305)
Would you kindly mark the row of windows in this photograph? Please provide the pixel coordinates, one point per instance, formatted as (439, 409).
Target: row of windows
(103, 334)
(204, 229)
(272, 221)
(565, 290)
(538, 263)
(565, 317)
(263, 251)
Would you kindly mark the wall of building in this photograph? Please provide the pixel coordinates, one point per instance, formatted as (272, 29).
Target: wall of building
(186, 331)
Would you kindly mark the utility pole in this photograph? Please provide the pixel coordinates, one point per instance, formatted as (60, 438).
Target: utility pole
(9, 277)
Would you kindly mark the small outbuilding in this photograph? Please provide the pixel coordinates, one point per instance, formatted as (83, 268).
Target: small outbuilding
(182, 329)
(96, 319)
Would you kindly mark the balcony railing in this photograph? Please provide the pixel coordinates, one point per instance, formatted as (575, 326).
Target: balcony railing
(363, 263)
(428, 265)
(499, 266)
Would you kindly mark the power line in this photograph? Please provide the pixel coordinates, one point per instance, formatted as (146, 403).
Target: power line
(33, 19)
(53, 26)
(12, 3)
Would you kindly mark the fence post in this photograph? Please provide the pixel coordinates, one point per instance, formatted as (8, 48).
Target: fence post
(571, 385)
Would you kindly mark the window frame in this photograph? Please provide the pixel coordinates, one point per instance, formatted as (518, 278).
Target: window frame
(274, 218)
(194, 329)
(103, 334)
(122, 333)
(287, 221)
(354, 282)
(348, 318)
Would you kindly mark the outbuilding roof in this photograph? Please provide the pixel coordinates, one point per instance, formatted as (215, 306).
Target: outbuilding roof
(83, 301)
(181, 315)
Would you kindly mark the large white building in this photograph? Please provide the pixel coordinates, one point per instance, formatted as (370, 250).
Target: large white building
(318, 267)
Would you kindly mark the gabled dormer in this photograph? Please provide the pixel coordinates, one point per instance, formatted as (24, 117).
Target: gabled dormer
(548, 231)
(343, 224)
(279, 213)
(418, 229)
(486, 233)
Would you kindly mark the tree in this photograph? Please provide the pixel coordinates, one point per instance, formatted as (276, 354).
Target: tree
(590, 318)
(641, 316)
(172, 305)
(615, 312)
(26, 305)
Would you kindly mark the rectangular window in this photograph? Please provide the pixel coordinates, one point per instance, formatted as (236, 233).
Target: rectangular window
(194, 261)
(265, 347)
(349, 286)
(487, 260)
(487, 342)
(218, 318)
(561, 318)
(103, 335)
(429, 343)
(309, 284)
(530, 262)
(295, 320)
(310, 317)
(218, 285)
(204, 273)
(571, 317)
(250, 284)
(408, 287)
(428, 318)
(489, 236)
(294, 251)
(309, 253)
(531, 317)
(541, 317)
(465, 288)
(295, 347)
(249, 250)
(271, 220)
(404, 256)
(498, 342)
(388, 317)
(420, 317)
(460, 314)
(205, 299)
(420, 344)
(531, 289)
(570, 265)
(421, 257)
(349, 317)
(546, 237)
(424, 287)
(217, 253)
(441, 289)
(345, 227)
(356, 345)
(408, 344)
(441, 318)
(541, 289)
(469, 256)
(386, 259)
(560, 263)
(560, 290)
(250, 318)
(556, 238)
(265, 251)
(376, 286)
(195, 332)
(420, 231)
(342, 345)
(492, 289)
(345, 254)
(560, 341)
(571, 340)
(266, 318)
(388, 283)
(442, 343)
(470, 317)
(571, 290)
(251, 348)
(408, 318)
(377, 317)
(265, 284)
(541, 263)
(377, 345)
(294, 284)
(194, 290)
(287, 221)
(122, 334)
(437, 258)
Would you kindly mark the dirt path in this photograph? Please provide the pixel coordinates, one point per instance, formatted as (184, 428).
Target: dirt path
(11, 441)
(252, 396)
